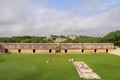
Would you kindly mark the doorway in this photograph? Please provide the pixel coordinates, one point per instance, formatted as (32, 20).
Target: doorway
(33, 50)
(95, 50)
(19, 50)
(50, 50)
(82, 50)
(65, 50)
(106, 50)
(6, 50)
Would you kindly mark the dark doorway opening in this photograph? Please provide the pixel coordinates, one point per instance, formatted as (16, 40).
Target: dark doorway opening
(34, 51)
(82, 50)
(6, 50)
(19, 50)
(50, 50)
(95, 50)
(106, 50)
(65, 50)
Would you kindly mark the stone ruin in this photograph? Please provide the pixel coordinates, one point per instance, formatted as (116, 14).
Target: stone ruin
(49, 61)
(85, 71)
(48, 48)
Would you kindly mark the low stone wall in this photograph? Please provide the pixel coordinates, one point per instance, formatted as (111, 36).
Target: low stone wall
(51, 47)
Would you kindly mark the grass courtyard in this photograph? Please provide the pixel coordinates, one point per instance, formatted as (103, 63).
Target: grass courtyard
(34, 66)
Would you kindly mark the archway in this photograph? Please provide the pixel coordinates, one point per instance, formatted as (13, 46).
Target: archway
(58, 49)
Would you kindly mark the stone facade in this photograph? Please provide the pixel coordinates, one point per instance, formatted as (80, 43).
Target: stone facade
(51, 47)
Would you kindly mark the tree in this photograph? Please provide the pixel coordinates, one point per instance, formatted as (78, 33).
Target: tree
(113, 37)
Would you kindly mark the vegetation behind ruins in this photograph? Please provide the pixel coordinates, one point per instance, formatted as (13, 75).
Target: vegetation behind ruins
(34, 67)
(112, 37)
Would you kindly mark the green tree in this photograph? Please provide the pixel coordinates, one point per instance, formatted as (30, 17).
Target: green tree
(113, 37)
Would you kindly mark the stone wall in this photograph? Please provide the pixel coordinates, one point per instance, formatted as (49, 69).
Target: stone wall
(51, 47)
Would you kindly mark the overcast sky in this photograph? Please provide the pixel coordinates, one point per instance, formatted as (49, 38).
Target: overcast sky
(59, 17)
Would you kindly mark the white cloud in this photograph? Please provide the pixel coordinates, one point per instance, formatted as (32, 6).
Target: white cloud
(25, 18)
(13, 10)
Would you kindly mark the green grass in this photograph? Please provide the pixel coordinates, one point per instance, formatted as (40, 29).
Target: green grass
(34, 66)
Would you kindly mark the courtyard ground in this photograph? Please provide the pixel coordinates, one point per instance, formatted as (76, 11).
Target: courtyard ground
(34, 66)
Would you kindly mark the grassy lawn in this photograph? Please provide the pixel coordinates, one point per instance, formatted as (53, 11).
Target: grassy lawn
(34, 66)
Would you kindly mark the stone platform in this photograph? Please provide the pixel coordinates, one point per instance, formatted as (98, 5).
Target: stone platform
(85, 71)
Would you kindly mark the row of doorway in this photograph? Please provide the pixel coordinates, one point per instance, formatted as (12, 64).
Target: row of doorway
(95, 51)
(56, 51)
(34, 51)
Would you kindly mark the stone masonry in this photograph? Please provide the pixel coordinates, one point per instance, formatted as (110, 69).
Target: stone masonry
(51, 47)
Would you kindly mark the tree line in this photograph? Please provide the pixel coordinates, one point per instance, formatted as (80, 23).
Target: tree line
(25, 39)
(112, 37)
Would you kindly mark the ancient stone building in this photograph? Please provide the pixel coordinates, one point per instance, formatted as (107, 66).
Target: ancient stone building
(51, 37)
(54, 48)
(58, 40)
(72, 37)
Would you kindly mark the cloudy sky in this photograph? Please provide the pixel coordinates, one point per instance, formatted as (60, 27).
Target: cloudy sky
(59, 17)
